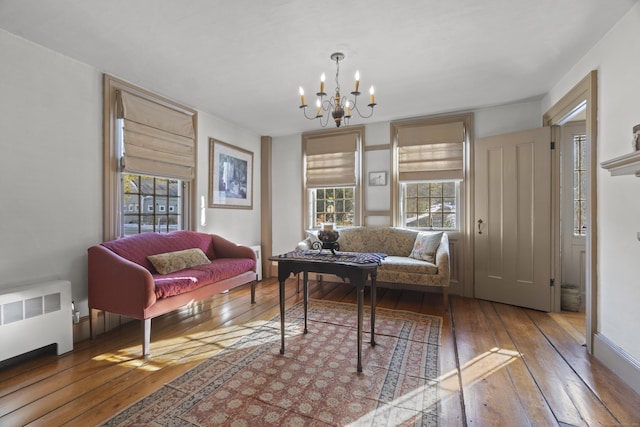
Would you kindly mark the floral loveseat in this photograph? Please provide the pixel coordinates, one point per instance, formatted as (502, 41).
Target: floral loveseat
(149, 274)
(408, 264)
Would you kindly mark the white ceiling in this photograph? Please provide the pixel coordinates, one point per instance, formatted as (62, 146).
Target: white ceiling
(244, 60)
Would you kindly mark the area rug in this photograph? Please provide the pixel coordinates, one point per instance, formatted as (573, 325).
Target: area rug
(315, 383)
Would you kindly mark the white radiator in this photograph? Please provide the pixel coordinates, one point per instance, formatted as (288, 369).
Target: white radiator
(258, 252)
(34, 316)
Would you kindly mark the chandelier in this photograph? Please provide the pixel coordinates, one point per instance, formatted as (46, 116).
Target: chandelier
(338, 106)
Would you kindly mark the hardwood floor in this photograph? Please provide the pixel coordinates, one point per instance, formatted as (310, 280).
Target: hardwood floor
(500, 365)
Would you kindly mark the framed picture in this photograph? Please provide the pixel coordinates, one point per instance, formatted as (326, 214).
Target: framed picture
(378, 178)
(230, 176)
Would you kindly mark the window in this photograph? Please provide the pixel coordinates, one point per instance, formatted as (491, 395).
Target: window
(431, 205)
(150, 161)
(579, 185)
(332, 176)
(335, 205)
(429, 158)
(151, 193)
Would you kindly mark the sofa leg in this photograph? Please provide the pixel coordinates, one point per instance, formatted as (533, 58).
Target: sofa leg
(146, 339)
(253, 292)
(93, 323)
(445, 294)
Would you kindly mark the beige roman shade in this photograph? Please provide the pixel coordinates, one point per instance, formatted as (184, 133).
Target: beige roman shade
(158, 140)
(431, 152)
(331, 160)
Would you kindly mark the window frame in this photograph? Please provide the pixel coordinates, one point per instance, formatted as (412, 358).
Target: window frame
(112, 153)
(307, 202)
(465, 196)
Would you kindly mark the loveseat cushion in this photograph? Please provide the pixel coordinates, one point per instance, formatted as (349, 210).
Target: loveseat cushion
(407, 265)
(178, 260)
(390, 240)
(192, 278)
(138, 247)
(426, 245)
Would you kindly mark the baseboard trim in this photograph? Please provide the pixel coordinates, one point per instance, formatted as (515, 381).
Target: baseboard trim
(619, 361)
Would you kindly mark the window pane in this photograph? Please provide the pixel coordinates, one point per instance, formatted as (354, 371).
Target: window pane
(156, 203)
(131, 224)
(579, 184)
(161, 187)
(332, 205)
(430, 205)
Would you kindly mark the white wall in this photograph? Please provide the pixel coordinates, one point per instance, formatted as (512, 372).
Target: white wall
(617, 59)
(287, 166)
(51, 168)
(50, 165)
(238, 225)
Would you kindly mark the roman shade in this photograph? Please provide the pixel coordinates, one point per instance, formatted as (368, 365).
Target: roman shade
(431, 152)
(331, 161)
(158, 140)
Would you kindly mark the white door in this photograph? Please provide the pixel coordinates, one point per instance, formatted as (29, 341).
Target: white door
(513, 219)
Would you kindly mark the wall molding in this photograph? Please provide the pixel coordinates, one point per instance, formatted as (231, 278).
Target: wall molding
(618, 360)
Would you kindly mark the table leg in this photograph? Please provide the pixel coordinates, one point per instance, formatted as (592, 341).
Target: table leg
(282, 316)
(360, 291)
(305, 289)
(373, 309)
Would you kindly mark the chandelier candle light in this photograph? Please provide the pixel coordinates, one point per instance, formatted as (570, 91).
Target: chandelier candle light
(339, 106)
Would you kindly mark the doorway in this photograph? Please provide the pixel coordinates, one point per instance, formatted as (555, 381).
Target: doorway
(572, 144)
(582, 97)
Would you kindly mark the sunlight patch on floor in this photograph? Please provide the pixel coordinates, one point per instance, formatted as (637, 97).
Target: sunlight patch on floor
(485, 364)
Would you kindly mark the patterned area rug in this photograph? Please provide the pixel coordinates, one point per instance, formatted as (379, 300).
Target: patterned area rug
(315, 382)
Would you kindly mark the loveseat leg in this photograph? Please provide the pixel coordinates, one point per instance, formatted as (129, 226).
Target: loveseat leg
(146, 339)
(93, 323)
(253, 292)
(445, 294)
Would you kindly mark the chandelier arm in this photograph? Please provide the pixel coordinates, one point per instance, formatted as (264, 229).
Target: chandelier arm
(362, 115)
(304, 109)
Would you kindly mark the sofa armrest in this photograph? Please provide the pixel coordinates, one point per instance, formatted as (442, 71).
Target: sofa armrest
(118, 285)
(224, 248)
(442, 260)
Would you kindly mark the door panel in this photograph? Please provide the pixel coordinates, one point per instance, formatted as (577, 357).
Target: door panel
(513, 219)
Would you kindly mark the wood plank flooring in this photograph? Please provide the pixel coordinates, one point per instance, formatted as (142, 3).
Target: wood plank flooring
(500, 365)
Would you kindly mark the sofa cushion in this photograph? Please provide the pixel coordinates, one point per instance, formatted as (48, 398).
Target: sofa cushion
(138, 247)
(407, 265)
(390, 240)
(426, 245)
(187, 280)
(179, 260)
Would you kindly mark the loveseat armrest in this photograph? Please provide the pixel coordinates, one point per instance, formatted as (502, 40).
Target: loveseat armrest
(118, 285)
(304, 245)
(224, 248)
(442, 260)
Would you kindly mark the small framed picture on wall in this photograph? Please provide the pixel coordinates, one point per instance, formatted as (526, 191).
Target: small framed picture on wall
(378, 178)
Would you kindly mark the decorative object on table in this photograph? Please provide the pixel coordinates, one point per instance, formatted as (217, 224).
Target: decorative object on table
(338, 106)
(378, 178)
(400, 379)
(327, 239)
(230, 176)
(636, 137)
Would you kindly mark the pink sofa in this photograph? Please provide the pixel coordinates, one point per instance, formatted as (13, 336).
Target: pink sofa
(123, 281)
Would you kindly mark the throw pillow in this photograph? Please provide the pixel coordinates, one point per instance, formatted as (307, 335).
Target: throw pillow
(426, 245)
(179, 260)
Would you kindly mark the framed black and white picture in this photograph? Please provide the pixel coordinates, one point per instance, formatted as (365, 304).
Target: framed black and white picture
(378, 178)
(230, 176)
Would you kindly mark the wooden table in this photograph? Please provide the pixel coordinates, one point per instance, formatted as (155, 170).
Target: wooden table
(356, 269)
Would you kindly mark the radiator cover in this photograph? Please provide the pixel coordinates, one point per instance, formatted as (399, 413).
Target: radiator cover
(34, 316)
